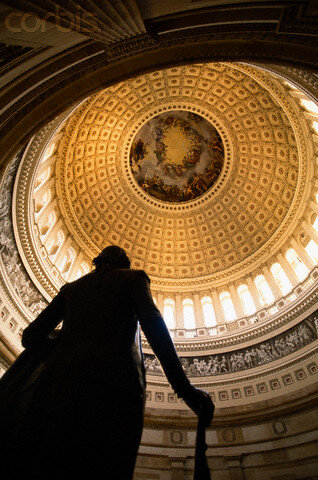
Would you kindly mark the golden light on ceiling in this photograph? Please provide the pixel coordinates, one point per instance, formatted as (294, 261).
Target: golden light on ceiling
(219, 235)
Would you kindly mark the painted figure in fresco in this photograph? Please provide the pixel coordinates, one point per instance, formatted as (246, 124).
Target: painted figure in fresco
(197, 167)
(138, 151)
(86, 415)
(160, 148)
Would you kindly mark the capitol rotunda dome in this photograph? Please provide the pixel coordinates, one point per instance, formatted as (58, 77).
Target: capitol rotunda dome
(252, 160)
(206, 174)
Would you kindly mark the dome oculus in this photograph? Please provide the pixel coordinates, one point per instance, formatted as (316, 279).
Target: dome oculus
(177, 156)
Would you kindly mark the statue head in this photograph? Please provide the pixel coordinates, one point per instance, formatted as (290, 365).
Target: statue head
(110, 258)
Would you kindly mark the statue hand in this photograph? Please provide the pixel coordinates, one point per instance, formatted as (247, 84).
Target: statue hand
(200, 402)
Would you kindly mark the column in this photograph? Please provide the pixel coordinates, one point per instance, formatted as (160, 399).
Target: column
(179, 312)
(217, 307)
(46, 164)
(271, 282)
(291, 275)
(63, 249)
(155, 297)
(45, 210)
(76, 265)
(56, 227)
(254, 293)
(199, 318)
(234, 467)
(177, 468)
(297, 94)
(314, 206)
(49, 183)
(311, 231)
(236, 302)
(160, 305)
(301, 252)
(311, 116)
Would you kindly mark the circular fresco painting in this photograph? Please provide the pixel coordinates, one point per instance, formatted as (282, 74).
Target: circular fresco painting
(177, 156)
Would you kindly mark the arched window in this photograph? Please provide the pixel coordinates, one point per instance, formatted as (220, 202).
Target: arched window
(67, 260)
(315, 224)
(56, 243)
(41, 179)
(281, 278)
(83, 270)
(48, 224)
(297, 265)
(312, 251)
(246, 299)
(208, 312)
(48, 152)
(44, 200)
(265, 293)
(227, 306)
(188, 313)
(169, 312)
(309, 105)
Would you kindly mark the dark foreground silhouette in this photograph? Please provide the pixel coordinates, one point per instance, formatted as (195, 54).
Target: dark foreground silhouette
(81, 413)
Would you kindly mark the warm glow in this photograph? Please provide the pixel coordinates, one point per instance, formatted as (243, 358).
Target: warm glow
(312, 251)
(42, 177)
(297, 265)
(227, 306)
(48, 152)
(309, 105)
(44, 200)
(265, 293)
(168, 312)
(315, 224)
(56, 243)
(246, 299)
(46, 225)
(83, 270)
(67, 261)
(188, 313)
(281, 278)
(208, 312)
(291, 85)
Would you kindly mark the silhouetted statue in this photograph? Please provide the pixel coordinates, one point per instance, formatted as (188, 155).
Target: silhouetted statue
(85, 418)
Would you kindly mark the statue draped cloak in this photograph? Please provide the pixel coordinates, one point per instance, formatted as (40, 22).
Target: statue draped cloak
(85, 417)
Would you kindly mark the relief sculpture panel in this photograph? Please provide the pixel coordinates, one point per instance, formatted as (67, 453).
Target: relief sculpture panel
(261, 353)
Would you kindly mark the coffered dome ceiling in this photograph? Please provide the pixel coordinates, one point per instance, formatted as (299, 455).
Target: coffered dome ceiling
(206, 175)
(198, 172)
